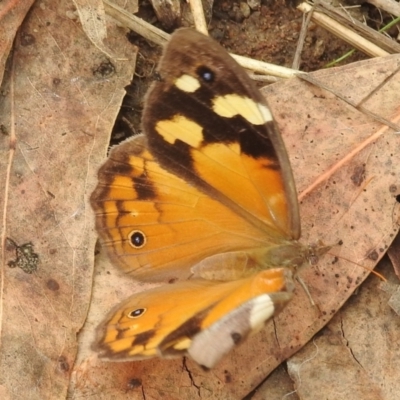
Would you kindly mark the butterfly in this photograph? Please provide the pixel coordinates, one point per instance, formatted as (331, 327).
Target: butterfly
(205, 199)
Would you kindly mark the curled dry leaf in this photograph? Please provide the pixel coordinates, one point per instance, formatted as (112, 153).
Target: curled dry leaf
(65, 105)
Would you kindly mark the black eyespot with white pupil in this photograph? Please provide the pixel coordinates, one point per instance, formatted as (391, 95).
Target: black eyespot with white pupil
(137, 313)
(137, 239)
(206, 74)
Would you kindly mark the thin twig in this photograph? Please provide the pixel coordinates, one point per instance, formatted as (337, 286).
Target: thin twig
(136, 24)
(343, 18)
(264, 68)
(263, 78)
(344, 33)
(300, 42)
(199, 19)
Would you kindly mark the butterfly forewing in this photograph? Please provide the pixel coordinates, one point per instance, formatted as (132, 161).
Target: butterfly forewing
(211, 177)
(207, 123)
(155, 225)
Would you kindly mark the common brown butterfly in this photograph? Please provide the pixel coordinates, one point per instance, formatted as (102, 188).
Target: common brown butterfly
(205, 198)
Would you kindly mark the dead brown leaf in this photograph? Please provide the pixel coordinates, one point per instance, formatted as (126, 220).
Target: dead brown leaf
(12, 13)
(356, 355)
(63, 96)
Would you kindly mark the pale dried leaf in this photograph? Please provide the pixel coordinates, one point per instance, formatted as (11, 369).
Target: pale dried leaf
(93, 20)
(278, 385)
(357, 355)
(66, 97)
(12, 13)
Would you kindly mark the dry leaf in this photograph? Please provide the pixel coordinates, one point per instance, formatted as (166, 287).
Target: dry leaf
(93, 20)
(355, 356)
(12, 13)
(65, 97)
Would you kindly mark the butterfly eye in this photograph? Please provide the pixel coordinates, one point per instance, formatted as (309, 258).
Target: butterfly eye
(137, 239)
(206, 74)
(137, 313)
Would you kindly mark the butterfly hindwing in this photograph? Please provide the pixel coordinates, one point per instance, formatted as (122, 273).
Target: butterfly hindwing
(179, 319)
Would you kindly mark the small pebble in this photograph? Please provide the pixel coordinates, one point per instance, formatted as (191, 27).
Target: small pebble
(245, 10)
(254, 4)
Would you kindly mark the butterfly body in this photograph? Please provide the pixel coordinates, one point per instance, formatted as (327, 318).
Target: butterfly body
(206, 193)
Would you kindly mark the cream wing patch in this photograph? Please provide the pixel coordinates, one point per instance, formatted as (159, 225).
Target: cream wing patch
(231, 105)
(187, 83)
(262, 310)
(183, 344)
(180, 128)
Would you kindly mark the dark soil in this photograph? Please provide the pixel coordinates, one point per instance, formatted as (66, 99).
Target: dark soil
(269, 33)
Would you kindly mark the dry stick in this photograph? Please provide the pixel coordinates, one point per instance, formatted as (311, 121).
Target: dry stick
(199, 19)
(262, 78)
(300, 42)
(392, 7)
(159, 37)
(264, 68)
(366, 32)
(344, 33)
(136, 24)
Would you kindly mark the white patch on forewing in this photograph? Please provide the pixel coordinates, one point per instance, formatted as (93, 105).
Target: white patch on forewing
(187, 83)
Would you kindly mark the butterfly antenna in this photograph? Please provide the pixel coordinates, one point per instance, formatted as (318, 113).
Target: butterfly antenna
(380, 276)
